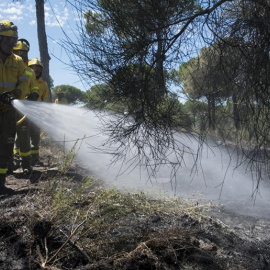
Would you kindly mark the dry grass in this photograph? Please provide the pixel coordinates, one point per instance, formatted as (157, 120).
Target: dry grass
(67, 222)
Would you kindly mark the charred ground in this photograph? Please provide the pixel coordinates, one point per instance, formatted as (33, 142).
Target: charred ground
(60, 218)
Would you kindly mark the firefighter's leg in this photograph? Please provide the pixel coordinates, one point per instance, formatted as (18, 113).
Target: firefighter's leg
(16, 151)
(14, 160)
(23, 134)
(7, 134)
(3, 164)
(35, 140)
(10, 160)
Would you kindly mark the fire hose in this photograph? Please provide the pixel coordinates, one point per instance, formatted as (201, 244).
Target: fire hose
(21, 120)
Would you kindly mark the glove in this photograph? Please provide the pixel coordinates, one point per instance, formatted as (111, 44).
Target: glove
(6, 98)
(33, 96)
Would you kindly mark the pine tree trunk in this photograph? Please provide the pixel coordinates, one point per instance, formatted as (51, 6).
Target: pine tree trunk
(209, 111)
(159, 67)
(235, 111)
(42, 40)
(213, 110)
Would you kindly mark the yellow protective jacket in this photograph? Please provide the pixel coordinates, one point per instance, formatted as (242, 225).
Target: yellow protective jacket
(33, 84)
(13, 74)
(44, 94)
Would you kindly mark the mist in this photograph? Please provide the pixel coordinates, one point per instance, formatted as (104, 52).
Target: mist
(216, 178)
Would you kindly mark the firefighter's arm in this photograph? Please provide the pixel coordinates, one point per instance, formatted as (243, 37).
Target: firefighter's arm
(34, 89)
(46, 96)
(22, 83)
(16, 93)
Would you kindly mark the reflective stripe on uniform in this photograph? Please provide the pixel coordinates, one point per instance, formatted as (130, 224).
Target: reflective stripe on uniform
(16, 151)
(28, 72)
(34, 152)
(23, 79)
(3, 171)
(10, 85)
(25, 154)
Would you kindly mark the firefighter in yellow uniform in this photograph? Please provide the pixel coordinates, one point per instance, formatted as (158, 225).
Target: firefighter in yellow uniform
(13, 84)
(22, 150)
(60, 97)
(44, 95)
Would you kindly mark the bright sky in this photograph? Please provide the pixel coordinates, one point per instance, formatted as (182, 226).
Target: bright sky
(57, 13)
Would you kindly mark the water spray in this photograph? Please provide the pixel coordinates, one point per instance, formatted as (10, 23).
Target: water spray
(69, 124)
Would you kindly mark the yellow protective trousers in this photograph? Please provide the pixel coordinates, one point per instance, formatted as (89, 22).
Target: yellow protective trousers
(22, 143)
(7, 135)
(35, 140)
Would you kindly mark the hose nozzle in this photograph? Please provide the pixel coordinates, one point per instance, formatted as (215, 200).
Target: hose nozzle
(6, 98)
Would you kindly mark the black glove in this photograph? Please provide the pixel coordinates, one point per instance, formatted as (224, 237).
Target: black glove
(6, 98)
(33, 96)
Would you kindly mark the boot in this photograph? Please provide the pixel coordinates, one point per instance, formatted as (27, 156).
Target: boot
(27, 171)
(35, 162)
(26, 163)
(3, 189)
(16, 162)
